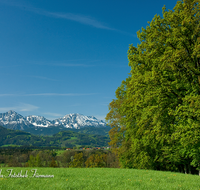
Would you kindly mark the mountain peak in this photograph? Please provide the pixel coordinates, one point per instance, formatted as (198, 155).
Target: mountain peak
(73, 120)
(10, 112)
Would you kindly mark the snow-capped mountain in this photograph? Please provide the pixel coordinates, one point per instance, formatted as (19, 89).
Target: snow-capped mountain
(38, 121)
(13, 120)
(78, 120)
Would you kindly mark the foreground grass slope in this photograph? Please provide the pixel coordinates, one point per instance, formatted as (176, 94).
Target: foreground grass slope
(99, 178)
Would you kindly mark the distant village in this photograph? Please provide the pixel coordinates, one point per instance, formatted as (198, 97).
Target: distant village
(91, 148)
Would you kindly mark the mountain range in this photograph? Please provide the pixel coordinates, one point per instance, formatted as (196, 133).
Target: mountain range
(40, 125)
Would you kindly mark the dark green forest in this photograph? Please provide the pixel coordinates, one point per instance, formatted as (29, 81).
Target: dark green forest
(53, 130)
(66, 138)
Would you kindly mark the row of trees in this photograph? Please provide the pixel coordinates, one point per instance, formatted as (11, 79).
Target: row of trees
(89, 158)
(49, 158)
(155, 117)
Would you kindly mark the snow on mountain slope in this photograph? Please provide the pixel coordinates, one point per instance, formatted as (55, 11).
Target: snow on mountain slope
(38, 121)
(78, 121)
(69, 121)
(13, 120)
(12, 117)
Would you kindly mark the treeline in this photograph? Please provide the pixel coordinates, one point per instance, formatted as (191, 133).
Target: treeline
(49, 158)
(62, 139)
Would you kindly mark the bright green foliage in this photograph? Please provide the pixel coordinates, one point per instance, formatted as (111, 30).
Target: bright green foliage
(34, 161)
(77, 161)
(96, 161)
(155, 116)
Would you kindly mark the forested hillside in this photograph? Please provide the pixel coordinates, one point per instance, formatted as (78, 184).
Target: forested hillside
(62, 139)
(43, 131)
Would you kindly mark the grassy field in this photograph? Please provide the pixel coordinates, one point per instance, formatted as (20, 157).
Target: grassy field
(60, 152)
(97, 178)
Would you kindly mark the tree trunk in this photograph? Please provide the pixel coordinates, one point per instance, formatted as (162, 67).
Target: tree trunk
(189, 168)
(185, 169)
(182, 170)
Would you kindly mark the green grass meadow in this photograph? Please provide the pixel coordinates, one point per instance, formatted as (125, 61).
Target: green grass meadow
(98, 178)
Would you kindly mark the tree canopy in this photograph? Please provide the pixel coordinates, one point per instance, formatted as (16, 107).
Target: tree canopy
(156, 114)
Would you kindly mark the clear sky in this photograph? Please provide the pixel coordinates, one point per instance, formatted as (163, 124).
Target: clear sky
(67, 56)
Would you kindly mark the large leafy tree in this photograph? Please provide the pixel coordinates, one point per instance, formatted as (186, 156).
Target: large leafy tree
(156, 110)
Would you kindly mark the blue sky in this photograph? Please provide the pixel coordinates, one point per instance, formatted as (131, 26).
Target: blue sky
(59, 56)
